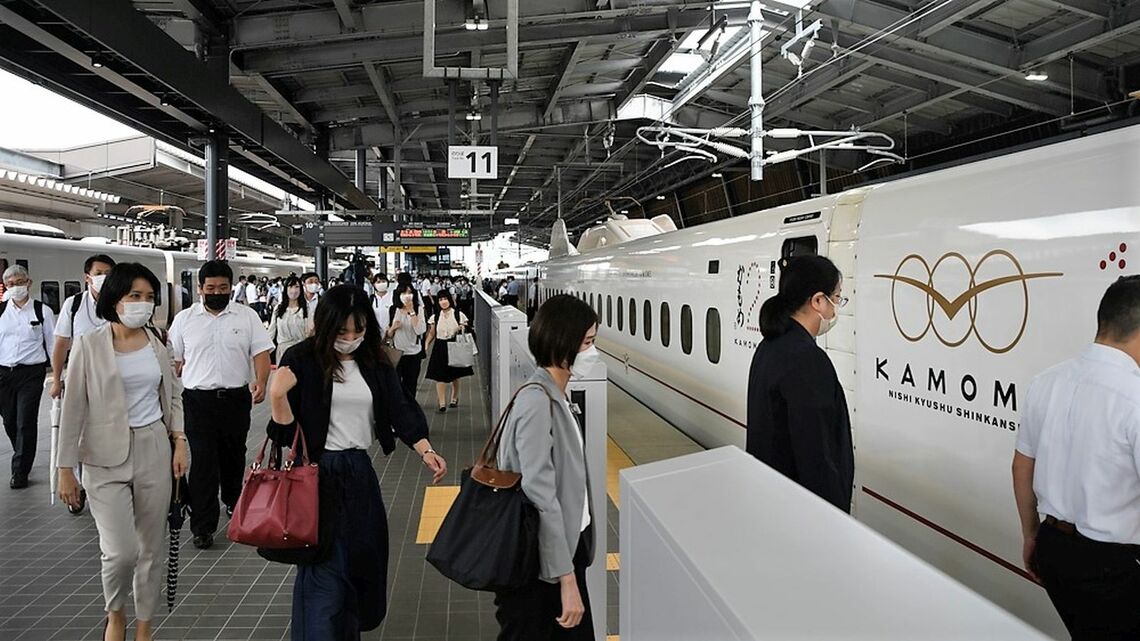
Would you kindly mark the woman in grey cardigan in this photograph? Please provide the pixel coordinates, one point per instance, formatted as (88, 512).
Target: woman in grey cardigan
(543, 441)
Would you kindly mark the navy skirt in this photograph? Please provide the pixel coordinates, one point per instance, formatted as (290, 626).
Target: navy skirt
(346, 594)
(438, 370)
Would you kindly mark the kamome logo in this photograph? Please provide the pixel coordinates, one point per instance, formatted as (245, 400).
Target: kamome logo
(994, 293)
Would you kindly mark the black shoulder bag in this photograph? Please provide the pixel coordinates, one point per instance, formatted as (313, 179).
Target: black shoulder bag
(489, 538)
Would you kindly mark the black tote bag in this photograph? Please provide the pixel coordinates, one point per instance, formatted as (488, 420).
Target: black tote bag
(489, 538)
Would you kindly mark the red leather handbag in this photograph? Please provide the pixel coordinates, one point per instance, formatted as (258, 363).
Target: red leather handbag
(279, 506)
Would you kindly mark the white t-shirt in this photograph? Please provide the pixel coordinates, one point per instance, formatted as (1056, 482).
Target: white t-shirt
(407, 338)
(350, 415)
(251, 292)
(141, 377)
(1081, 425)
(380, 306)
(85, 318)
(581, 444)
(448, 325)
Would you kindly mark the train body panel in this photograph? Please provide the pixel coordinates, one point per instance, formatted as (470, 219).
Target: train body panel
(963, 283)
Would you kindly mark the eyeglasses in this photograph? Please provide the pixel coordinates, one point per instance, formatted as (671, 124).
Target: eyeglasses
(840, 301)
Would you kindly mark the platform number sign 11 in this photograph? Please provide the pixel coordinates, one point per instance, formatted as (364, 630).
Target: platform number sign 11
(471, 161)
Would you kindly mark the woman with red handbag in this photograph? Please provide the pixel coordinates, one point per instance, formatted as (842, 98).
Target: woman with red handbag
(340, 389)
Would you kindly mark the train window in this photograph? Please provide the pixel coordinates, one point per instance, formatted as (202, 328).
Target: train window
(632, 317)
(686, 329)
(591, 300)
(609, 310)
(712, 335)
(665, 325)
(801, 246)
(620, 307)
(71, 288)
(647, 321)
(23, 262)
(49, 294)
(187, 288)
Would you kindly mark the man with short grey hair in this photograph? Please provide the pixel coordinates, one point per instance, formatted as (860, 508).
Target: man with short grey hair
(27, 327)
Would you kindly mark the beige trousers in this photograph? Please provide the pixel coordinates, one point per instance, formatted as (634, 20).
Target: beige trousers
(130, 503)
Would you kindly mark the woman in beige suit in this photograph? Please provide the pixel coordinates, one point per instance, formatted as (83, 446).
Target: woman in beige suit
(122, 412)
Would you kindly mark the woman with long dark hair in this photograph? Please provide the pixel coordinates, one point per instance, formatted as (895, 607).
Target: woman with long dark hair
(290, 323)
(406, 326)
(447, 323)
(542, 440)
(338, 387)
(797, 411)
(122, 418)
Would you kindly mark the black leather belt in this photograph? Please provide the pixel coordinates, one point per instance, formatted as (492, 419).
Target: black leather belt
(1063, 527)
(230, 392)
(12, 368)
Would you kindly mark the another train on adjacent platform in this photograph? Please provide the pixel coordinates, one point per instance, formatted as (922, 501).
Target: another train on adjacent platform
(56, 266)
(964, 284)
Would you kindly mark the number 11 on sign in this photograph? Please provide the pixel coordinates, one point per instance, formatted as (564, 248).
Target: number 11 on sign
(472, 161)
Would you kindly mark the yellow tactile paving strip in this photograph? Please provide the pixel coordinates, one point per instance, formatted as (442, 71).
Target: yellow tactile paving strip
(613, 561)
(616, 461)
(437, 501)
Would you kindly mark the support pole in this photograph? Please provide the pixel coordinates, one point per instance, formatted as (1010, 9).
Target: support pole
(320, 252)
(756, 99)
(450, 112)
(217, 193)
(397, 159)
(494, 113)
(822, 172)
(361, 169)
(558, 179)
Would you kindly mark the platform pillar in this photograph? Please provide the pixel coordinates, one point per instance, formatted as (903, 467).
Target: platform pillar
(217, 192)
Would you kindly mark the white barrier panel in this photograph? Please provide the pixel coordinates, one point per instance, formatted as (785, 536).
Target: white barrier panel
(493, 326)
(718, 546)
(589, 395)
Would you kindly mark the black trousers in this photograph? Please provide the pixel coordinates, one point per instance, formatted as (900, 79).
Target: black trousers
(1095, 586)
(408, 369)
(21, 388)
(529, 613)
(217, 423)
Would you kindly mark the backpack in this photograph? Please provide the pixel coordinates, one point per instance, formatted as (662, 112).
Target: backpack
(38, 308)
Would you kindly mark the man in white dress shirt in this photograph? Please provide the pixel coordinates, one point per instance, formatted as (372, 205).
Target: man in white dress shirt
(311, 288)
(213, 343)
(1076, 476)
(26, 329)
(77, 317)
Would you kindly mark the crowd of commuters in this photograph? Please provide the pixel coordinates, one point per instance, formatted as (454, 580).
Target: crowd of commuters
(141, 408)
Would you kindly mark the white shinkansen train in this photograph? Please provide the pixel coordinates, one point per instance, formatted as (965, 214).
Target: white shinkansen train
(964, 284)
(56, 266)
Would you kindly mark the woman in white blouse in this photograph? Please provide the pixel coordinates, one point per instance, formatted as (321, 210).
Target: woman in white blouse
(442, 329)
(290, 323)
(122, 411)
(405, 327)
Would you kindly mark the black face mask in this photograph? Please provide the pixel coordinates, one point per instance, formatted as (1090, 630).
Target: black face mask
(216, 302)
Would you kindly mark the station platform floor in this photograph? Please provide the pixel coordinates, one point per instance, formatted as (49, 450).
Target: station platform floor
(49, 560)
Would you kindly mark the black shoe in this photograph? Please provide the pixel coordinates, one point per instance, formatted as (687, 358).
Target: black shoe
(204, 541)
(454, 402)
(78, 508)
(18, 482)
(442, 409)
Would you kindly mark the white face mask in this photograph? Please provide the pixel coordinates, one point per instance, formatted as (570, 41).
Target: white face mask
(826, 324)
(313, 288)
(348, 347)
(97, 282)
(406, 298)
(135, 315)
(584, 362)
(19, 293)
(294, 293)
(382, 287)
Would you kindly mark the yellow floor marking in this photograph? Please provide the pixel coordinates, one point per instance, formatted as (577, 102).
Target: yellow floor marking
(437, 501)
(613, 561)
(616, 461)
(613, 637)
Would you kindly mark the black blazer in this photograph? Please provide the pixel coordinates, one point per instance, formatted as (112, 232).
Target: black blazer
(797, 416)
(395, 412)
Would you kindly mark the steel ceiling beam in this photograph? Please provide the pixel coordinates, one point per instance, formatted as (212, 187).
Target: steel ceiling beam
(284, 103)
(342, 54)
(202, 13)
(347, 17)
(383, 91)
(929, 88)
(817, 83)
(1083, 35)
(1096, 9)
(130, 34)
(431, 172)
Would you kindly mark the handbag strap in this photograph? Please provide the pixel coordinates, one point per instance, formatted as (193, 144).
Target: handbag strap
(298, 434)
(492, 444)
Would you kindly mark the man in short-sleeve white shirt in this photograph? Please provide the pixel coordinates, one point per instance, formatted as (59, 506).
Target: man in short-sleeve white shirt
(76, 318)
(213, 344)
(1076, 475)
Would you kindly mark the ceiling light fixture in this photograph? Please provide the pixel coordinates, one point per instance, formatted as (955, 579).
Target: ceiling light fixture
(474, 115)
(717, 174)
(97, 61)
(1037, 76)
(659, 197)
(476, 24)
